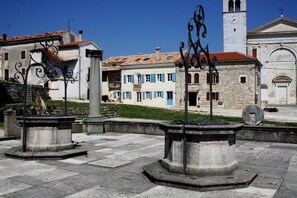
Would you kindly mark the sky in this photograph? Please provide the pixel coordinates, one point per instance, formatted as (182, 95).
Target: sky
(126, 27)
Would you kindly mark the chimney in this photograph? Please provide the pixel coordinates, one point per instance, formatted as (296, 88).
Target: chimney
(158, 52)
(4, 37)
(80, 32)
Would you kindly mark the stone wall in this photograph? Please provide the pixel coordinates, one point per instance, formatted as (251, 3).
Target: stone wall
(13, 92)
(231, 92)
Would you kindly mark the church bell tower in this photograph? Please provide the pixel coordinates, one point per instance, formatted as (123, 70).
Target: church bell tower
(235, 26)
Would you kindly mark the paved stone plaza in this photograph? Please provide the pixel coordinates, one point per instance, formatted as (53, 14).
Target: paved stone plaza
(113, 168)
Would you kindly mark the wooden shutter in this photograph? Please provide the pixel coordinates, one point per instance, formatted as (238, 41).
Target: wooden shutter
(217, 95)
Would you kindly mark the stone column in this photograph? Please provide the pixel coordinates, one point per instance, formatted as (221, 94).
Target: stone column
(94, 121)
(11, 125)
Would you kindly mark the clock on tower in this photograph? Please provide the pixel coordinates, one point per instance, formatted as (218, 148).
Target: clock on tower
(235, 30)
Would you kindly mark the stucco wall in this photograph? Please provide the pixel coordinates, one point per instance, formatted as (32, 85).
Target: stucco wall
(152, 87)
(279, 58)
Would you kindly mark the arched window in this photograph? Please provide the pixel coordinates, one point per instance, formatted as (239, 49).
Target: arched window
(237, 5)
(189, 78)
(196, 78)
(231, 6)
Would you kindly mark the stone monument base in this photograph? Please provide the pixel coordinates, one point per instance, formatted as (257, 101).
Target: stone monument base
(47, 133)
(200, 156)
(16, 152)
(94, 125)
(47, 137)
(240, 178)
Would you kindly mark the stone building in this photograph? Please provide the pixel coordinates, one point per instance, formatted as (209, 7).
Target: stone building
(236, 84)
(155, 80)
(274, 44)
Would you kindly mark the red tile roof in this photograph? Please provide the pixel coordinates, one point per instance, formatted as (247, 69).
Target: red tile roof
(36, 36)
(172, 57)
(142, 59)
(231, 56)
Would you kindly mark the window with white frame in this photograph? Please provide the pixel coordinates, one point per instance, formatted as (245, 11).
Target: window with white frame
(147, 78)
(147, 94)
(129, 78)
(159, 78)
(128, 95)
(169, 77)
(242, 79)
(159, 94)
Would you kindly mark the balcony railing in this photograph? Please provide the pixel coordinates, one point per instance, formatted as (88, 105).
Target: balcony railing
(136, 87)
(114, 85)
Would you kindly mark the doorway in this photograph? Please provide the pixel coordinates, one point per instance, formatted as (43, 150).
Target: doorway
(169, 98)
(281, 94)
(192, 98)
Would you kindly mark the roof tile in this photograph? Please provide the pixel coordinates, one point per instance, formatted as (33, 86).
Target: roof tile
(170, 57)
(37, 36)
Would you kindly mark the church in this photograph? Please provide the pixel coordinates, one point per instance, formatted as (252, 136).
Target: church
(274, 44)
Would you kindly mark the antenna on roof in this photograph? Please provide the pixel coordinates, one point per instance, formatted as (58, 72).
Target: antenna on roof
(69, 23)
(281, 11)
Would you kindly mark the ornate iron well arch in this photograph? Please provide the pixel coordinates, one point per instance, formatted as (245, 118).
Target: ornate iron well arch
(57, 129)
(199, 155)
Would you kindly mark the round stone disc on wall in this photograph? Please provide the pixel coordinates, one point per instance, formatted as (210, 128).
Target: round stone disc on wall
(252, 115)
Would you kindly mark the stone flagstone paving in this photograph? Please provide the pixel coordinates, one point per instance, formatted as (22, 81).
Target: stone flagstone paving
(113, 168)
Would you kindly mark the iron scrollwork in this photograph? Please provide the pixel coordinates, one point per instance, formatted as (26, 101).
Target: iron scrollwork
(47, 65)
(197, 56)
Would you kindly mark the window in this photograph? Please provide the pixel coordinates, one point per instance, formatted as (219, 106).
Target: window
(189, 78)
(159, 78)
(6, 74)
(23, 54)
(23, 71)
(147, 78)
(196, 78)
(88, 76)
(128, 95)
(148, 95)
(237, 5)
(215, 95)
(231, 6)
(215, 78)
(255, 53)
(6, 56)
(242, 79)
(129, 78)
(139, 79)
(169, 77)
(159, 94)
(138, 96)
